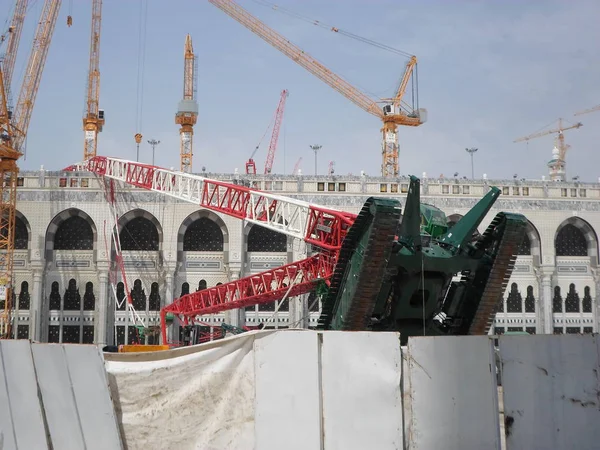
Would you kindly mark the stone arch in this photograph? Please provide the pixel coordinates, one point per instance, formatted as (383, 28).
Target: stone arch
(139, 221)
(576, 237)
(71, 217)
(22, 232)
(532, 244)
(195, 219)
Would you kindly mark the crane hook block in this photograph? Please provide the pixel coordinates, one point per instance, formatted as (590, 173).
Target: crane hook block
(138, 138)
(69, 21)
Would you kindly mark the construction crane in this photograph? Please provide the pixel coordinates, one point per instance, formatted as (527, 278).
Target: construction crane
(93, 121)
(277, 119)
(297, 167)
(12, 45)
(13, 132)
(589, 110)
(331, 170)
(369, 269)
(394, 111)
(557, 165)
(187, 111)
(275, 136)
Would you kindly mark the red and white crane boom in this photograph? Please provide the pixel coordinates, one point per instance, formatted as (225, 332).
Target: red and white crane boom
(275, 136)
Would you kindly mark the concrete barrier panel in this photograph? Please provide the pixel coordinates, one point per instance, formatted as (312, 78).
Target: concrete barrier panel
(287, 391)
(453, 396)
(21, 420)
(551, 391)
(362, 402)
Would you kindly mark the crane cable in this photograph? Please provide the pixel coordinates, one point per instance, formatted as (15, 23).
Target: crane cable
(139, 101)
(323, 25)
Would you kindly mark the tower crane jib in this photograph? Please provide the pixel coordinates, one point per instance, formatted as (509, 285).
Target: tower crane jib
(390, 114)
(187, 112)
(12, 45)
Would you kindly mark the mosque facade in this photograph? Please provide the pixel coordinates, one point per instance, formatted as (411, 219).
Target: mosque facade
(66, 289)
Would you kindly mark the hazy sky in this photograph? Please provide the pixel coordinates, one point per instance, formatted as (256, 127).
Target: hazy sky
(489, 72)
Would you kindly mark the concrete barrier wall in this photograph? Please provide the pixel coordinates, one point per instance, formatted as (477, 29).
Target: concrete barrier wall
(299, 389)
(55, 396)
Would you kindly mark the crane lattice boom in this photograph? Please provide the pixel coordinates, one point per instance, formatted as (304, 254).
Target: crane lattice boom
(12, 45)
(589, 110)
(275, 136)
(391, 114)
(93, 121)
(322, 227)
(187, 112)
(13, 132)
(35, 66)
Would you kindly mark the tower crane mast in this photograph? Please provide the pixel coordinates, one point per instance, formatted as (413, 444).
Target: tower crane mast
(392, 114)
(93, 120)
(187, 112)
(14, 36)
(557, 164)
(13, 133)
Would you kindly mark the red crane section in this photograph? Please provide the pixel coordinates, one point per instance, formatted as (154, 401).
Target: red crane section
(275, 135)
(322, 227)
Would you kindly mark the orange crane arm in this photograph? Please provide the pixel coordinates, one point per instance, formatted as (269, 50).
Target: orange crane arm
(410, 66)
(544, 133)
(585, 111)
(35, 66)
(298, 55)
(14, 36)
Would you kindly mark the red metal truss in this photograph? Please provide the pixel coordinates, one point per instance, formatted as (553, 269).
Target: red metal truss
(275, 136)
(256, 289)
(322, 227)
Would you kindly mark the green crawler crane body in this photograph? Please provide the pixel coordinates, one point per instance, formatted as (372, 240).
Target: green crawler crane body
(399, 272)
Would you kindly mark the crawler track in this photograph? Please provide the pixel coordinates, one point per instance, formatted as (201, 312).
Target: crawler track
(361, 267)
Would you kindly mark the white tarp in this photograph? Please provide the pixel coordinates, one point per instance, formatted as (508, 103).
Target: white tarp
(292, 389)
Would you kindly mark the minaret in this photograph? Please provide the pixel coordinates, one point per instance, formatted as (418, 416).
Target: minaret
(557, 166)
(187, 111)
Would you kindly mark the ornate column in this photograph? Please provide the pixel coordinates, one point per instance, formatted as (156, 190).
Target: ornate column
(102, 326)
(235, 317)
(546, 290)
(36, 313)
(596, 299)
(169, 277)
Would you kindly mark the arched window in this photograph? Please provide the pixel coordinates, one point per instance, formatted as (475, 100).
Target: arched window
(261, 239)
(75, 233)
(203, 235)
(139, 234)
(570, 241)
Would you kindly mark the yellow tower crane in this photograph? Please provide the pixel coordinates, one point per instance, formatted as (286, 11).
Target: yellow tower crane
(13, 132)
(13, 37)
(557, 164)
(93, 121)
(187, 110)
(585, 111)
(394, 111)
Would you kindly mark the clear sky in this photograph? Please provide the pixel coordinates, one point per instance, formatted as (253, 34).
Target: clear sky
(489, 72)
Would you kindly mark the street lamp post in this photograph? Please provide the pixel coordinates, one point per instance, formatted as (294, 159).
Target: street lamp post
(315, 148)
(153, 143)
(471, 151)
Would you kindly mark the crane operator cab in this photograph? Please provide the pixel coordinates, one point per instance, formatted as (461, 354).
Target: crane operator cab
(434, 223)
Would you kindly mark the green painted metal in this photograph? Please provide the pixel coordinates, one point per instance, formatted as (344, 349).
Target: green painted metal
(405, 282)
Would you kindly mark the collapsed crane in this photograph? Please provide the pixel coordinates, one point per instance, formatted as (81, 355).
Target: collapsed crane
(558, 163)
(93, 121)
(394, 112)
(13, 133)
(250, 164)
(376, 270)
